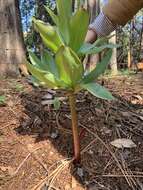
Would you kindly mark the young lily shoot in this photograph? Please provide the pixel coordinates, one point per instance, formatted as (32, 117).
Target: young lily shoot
(60, 64)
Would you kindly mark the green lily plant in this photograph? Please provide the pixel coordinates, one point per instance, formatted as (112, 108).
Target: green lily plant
(60, 65)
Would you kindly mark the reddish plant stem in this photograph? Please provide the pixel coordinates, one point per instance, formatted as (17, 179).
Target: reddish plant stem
(76, 141)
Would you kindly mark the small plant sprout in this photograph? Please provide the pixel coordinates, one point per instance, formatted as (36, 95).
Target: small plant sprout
(2, 100)
(60, 65)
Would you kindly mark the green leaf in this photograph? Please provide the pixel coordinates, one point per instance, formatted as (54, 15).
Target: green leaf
(98, 91)
(77, 30)
(36, 61)
(19, 87)
(46, 63)
(52, 15)
(64, 9)
(46, 78)
(2, 100)
(34, 81)
(92, 49)
(78, 71)
(56, 103)
(69, 66)
(84, 48)
(100, 68)
(49, 63)
(49, 35)
(49, 44)
(103, 40)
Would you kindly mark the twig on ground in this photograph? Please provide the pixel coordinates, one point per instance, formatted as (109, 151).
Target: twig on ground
(59, 125)
(127, 172)
(51, 177)
(24, 146)
(21, 164)
(113, 155)
(120, 175)
(111, 160)
(11, 123)
(88, 146)
(58, 172)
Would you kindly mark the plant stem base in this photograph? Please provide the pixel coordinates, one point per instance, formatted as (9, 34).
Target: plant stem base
(76, 141)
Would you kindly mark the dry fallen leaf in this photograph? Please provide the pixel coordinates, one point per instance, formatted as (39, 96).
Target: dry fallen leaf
(46, 102)
(48, 96)
(123, 143)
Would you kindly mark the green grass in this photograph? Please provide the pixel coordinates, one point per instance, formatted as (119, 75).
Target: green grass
(2, 78)
(19, 87)
(2, 100)
(121, 72)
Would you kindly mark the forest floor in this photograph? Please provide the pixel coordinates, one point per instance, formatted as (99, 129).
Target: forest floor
(36, 140)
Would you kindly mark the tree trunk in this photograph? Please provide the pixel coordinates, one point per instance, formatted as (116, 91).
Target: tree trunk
(113, 62)
(76, 5)
(129, 59)
(94, 9)
(12, 50)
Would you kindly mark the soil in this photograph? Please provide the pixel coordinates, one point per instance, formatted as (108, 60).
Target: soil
(36, 140)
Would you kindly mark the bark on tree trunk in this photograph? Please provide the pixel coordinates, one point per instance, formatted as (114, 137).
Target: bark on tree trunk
(113, 61)
(12, 50)
(129, 59)
(93, 8)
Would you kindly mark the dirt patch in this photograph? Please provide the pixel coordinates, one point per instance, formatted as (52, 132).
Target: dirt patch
(36, 140)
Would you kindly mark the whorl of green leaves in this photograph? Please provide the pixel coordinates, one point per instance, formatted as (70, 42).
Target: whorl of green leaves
(61, 67)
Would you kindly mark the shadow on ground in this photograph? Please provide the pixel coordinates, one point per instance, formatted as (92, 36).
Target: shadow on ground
(108, 120)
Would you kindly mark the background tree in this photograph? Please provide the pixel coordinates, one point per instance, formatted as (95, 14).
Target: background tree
(12, 50)
(113, 61)
(130, 38)
(36, 9)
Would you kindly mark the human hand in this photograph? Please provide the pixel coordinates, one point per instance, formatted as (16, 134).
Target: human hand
(91, 36)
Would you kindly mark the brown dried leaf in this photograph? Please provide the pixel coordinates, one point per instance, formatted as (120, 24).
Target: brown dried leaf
(123, 143)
